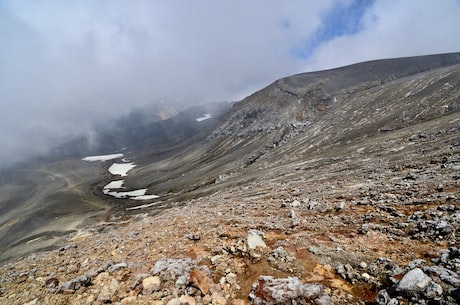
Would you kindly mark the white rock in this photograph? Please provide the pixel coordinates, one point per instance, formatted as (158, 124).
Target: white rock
(254, 240)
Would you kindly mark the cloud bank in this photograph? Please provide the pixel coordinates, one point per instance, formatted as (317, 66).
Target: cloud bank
(66, 65)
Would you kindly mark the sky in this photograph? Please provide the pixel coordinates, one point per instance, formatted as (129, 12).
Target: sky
(68, 65)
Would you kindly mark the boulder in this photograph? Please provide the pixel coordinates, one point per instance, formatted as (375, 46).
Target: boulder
(417, 284)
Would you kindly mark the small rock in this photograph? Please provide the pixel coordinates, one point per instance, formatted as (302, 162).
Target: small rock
(181, 281)
(108, 291)
(118, 266)
(218, 299)
(22, 278)
(231, 278)
(193, 237)
(384, 299)
(215, 260)
(52, 282)
(129, 300)
(183, 300)
(200, 280)
(295, 204)
(76, 283)
(292, 214)
(170, 268)
(254, 240)
(340, 206)
(151, 284)
(207, 299)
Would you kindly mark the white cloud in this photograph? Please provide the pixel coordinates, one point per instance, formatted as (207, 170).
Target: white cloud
(68, 64)
(394, 28)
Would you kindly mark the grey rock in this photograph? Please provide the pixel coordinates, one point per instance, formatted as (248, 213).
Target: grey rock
(279, 252)
(416, 283)
(172, 268)
(138, 280)
(193, 237)
(118, 266)
(181, 281)
(268, 290)
(415, 264)
(448, 276)
(76, 283)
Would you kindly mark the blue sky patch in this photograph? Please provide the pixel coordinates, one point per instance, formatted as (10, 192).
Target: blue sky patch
(341, 20)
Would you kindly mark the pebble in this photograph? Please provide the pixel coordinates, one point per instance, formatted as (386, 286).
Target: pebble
(185, 299)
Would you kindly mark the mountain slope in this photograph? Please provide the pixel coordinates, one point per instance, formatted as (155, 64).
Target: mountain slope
(311, 114)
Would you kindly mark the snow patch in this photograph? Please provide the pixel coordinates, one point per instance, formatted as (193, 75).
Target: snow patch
(102, 157)
(121, 168)
(138, 207)
(145, 197)
(118, 184)
(136, 194)
(204, 117)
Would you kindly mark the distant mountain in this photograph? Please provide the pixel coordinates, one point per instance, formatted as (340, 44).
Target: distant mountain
(157, 124)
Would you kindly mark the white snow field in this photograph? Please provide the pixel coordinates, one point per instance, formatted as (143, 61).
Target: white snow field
(102, 157)
(121, 168)
(204, 117)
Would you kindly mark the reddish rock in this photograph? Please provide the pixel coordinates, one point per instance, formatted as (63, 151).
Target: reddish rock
(200, 280)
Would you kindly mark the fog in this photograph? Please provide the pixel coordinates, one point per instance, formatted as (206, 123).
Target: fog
(66, 66)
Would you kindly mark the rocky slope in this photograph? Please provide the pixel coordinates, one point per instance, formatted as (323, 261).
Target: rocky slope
(335, 187)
